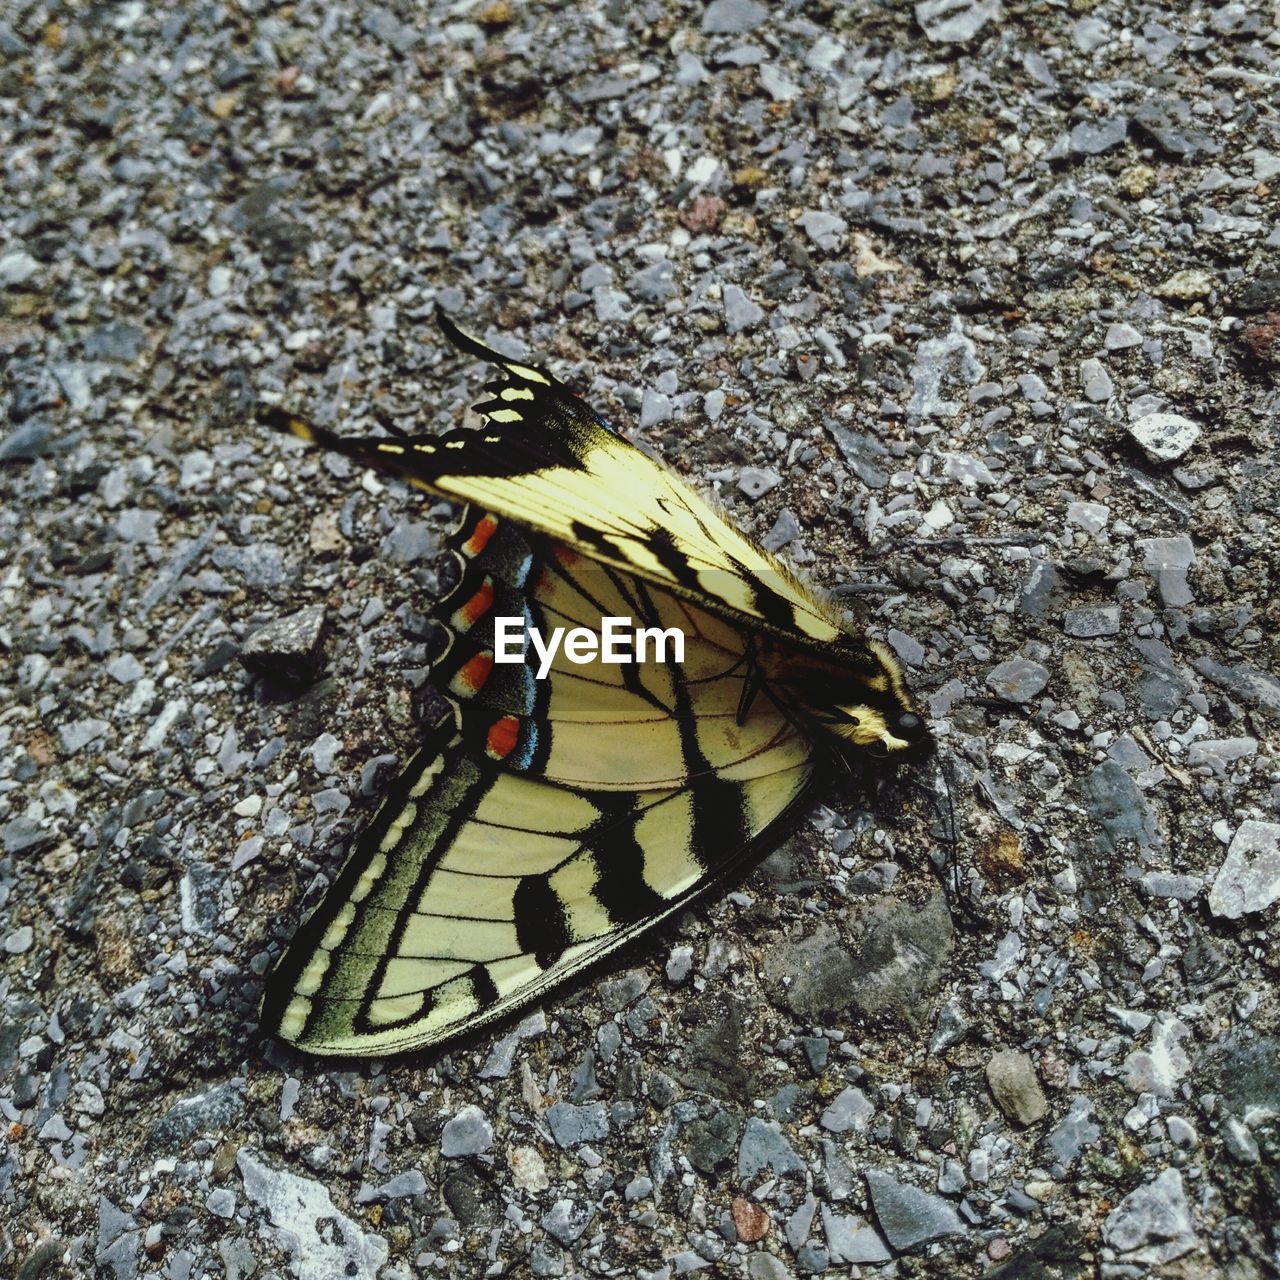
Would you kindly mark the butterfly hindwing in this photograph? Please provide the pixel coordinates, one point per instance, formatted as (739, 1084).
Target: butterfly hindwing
(489, 877)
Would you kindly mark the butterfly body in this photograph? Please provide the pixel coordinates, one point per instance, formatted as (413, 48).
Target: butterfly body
(547, 822)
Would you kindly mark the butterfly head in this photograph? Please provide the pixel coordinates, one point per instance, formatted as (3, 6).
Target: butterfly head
(864, 706)
(884, 736)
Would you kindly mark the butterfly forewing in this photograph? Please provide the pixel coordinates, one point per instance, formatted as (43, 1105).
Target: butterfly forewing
(546, 461)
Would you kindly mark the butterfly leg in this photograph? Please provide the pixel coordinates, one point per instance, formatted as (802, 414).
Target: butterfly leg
(751, 684)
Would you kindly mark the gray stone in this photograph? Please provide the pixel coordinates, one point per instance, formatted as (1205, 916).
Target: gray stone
(1090, 34)
(1161, 884)
(1157, 1210)
(118, 341)
(501, 1059)
(1248, 1077)
(112, 1222)
(835, 1170)
(1239, 1142)
(1168, 560)
(201, 1114)
(412, 1182)
(1012, 1081)
(786, 529)
(850, 1109)
(897, 958)
(812, 1258)
(955, 21)
(125, 669)
(566, 1221)
(709, 1142)
(639, 1188)
(1164, 437)
(17, 266)
(938, 359)
(1075, 1131)
(1087, 623)
(30, 440)
(290, 649)
(679, 965)
(321, 1240)
(775, 82)
(1258, 688)
(908, 649)
(260, 564)
(469, 1133)
(22, 833)
(221, 1202)
(1039, 588)
(185, 556)
(908, 1216)
(1219, 754)
(411, 541)
(1249, 878)
(812, 976)
(654, 408)
(739, 311)
(78, 734)
(201, 898)
(1166, 120)
(755, 482)
(1113, 800)
(1093, 137)
(732, 17)
(971, 472)
(800, 1223)
(822, 227)
(717, 1046)
(851, 1239)
(618, 993)
(765, 1147)
(1160, 1069)
(1092, 517)
(572, 1125)
(868, 459)
(119, 1259)
(764, 1266)
(1121, 336)
(655, 283)
(1018, 679)
(1095, 381)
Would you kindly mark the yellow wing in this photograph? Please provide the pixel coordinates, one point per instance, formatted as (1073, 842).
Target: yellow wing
(546, 824)
(545, 460)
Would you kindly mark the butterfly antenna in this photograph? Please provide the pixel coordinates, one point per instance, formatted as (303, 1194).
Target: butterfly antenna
(973, 916)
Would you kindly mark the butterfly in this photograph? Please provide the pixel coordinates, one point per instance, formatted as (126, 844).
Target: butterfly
(544, 823)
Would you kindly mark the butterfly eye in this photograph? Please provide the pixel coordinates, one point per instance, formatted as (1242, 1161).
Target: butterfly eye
(909, 726)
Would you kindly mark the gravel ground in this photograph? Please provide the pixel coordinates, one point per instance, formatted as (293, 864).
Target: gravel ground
(973, 309)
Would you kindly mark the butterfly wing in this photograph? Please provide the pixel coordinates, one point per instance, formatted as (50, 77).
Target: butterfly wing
(548, 822)
(545, 460)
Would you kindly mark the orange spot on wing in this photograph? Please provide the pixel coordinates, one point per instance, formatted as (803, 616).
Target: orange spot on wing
(567, 556)
(480, 535)
(503, 736)
(473, 673)
(474, 609)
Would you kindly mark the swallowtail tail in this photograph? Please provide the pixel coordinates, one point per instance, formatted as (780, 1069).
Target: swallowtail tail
(545, 823)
